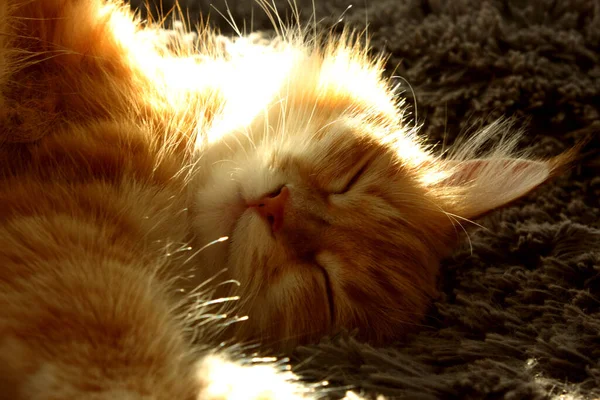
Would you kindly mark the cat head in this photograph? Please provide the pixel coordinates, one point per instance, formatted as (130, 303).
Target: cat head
(336, 214)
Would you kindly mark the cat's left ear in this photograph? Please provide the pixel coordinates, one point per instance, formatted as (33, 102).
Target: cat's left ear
(475, 187)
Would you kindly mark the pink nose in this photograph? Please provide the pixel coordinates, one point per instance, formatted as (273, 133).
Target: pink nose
(271, 207)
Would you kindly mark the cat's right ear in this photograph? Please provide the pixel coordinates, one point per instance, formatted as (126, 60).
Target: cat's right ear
(472, 188)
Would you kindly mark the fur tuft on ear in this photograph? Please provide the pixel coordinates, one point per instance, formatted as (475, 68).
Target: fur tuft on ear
(491, 183)
(486, 172)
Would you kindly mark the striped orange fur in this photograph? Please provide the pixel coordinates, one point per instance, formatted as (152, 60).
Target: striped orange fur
(121, 156)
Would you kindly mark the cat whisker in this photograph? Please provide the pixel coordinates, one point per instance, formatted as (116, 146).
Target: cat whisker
(229, 18)
(207, 293)
(455, 219)
(192, 314)
(232, 281)
(234, 320)
(208, 317)
(219, 240)
(295, 16)
(466, 220)
(206, 282)
(414, 95)
(180, 250)
(272, 13)
(454, 222)
(217, 301)
(196, 323)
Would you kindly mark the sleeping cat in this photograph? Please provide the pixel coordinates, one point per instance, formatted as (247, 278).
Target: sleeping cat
(122, 156)
(336, 214)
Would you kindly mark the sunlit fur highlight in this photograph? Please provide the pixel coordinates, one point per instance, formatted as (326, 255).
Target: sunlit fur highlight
(97, 146)
(366, 259)
(123, 153)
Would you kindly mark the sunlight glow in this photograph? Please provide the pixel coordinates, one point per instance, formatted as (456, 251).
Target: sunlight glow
(247, 93)
(226, 380)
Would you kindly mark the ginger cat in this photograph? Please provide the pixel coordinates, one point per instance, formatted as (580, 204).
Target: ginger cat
(122, 155)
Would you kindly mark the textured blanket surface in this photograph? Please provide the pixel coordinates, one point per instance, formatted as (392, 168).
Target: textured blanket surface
(519, 316)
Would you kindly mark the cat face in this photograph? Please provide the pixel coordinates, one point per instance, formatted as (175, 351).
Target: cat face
(328, 226)
(336, 216)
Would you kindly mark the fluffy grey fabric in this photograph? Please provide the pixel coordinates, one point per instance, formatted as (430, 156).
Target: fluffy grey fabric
(519, 316)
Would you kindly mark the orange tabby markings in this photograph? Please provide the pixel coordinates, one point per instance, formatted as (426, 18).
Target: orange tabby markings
(96, 148)
(114, 168)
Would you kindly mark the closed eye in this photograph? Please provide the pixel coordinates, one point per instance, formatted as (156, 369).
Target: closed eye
(354, 179)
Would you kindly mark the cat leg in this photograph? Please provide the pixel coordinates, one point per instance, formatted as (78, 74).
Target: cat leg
(66, 60)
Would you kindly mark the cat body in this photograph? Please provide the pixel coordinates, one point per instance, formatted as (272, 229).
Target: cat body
(92, 196)
(121, 158)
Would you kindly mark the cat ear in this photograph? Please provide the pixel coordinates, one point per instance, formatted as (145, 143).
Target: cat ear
(482, 185)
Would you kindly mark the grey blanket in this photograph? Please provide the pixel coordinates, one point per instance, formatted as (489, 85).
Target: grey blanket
(519, 316)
